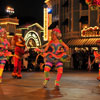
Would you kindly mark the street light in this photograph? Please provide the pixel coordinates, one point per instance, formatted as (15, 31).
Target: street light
(10, 10)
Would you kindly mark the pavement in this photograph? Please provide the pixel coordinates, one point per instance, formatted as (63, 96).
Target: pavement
(74, 85)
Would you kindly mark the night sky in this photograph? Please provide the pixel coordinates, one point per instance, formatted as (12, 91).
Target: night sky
(25, 10)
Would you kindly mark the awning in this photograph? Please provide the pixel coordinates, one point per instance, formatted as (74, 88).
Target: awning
(84, 19)
(53, 25)
(65, 22)
(92, 42)
(65, 4)
(87, 42)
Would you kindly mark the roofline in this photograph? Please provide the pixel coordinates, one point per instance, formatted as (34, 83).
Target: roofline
(38, 25)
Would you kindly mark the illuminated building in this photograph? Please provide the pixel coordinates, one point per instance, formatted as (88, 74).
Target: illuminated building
(74, 16)
(32, 33)
(10, 25)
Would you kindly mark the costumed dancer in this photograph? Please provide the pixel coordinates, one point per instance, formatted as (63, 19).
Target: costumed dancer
(18, 54)
(55, 54)
(4, 53)
(97, 58)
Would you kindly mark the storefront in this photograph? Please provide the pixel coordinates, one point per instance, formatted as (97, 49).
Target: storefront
(85, 45)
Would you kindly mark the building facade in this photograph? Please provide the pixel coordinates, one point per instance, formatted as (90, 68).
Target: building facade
(32, 33)
(73, 16)
(10, 24)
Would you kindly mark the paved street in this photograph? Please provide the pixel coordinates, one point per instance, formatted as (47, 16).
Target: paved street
(74, 86)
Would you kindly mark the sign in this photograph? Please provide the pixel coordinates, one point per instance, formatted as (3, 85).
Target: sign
(91, 32)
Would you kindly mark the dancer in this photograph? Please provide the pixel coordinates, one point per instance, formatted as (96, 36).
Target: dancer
(97, 58)
(55, 54)
(19, 51)
(4, 53)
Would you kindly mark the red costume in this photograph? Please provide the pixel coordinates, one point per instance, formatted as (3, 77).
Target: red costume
(19, 51)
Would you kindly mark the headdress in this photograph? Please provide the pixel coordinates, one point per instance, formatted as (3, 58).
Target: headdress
(57, 32)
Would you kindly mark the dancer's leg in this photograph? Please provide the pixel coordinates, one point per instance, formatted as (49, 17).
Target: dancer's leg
(2, 64)
(14, 73)
(98, 78)
(19, 69)
(59, 73)
(47, 68)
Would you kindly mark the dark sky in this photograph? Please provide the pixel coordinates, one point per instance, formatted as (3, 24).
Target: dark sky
(25, 10)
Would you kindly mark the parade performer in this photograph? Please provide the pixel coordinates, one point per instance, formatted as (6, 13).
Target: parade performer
(18, 54)
(97, 58)
(4, 53)
(55, 54)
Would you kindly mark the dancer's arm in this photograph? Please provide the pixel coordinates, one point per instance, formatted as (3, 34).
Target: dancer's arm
(48, 45)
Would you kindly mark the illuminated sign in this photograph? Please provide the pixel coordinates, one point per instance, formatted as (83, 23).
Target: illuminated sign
(32, 35)
(45, 24)
(91, 32)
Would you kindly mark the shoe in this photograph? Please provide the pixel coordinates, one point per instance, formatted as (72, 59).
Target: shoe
(45, 83)
(98, 78)
(57, 87)
(14, 75)
(19, 76)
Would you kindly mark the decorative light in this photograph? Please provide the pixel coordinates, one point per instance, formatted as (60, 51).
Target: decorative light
(34, 36)
(45, 36)
(10, 10)
(49, 10)
(93, 4)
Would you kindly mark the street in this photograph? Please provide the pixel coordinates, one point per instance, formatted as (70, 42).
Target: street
(75, 85)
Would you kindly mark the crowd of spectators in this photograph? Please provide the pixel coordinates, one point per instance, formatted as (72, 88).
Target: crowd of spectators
(29, 62)
(34, 61)
(82, 58)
